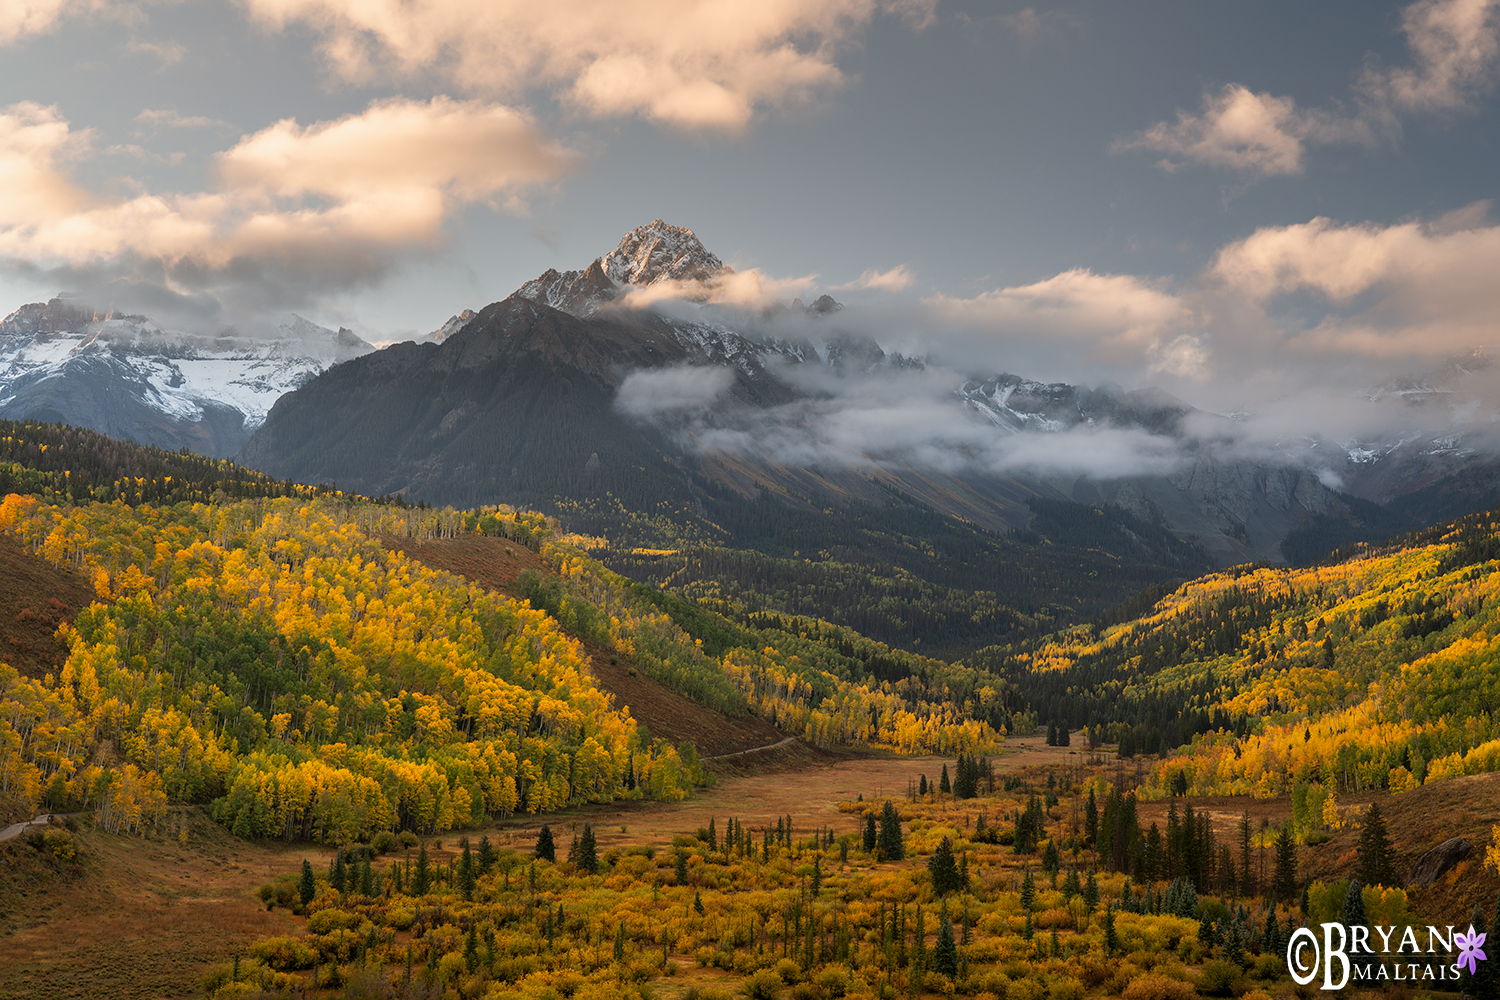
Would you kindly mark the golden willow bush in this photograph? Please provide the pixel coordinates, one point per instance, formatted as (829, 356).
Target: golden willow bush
(270, 656)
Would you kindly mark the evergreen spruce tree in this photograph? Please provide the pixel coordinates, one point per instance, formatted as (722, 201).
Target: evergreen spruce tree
(307, 888)
(870, 835)
(697, 902)
(1375, 866)
(1050, 859)
(1286, 863)
(713, 835)
(366, 879)
(680, 872)
(546, 848)
(944, 785)
(588, 855)
(339, 877)
(1071, 885)
(890, 845)
(1270, 938)
(1111, 937)
(945, 952)
(817, 876)
(422, 880)
(944, 869)
(1091, 892)
(1028, 891)
(466, 876)
(488, 855)
(922, 785)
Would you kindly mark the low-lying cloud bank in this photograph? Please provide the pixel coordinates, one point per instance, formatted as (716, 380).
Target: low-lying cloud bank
(1296, 344)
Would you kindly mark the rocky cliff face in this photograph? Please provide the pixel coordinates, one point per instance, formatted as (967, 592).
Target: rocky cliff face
(653, 254)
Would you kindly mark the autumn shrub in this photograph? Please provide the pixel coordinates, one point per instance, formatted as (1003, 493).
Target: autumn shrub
(408, 839)
(833, 980)
(1153, 986)
(1065, 988)
(788, 971)
(283, 952)
(333, 919)
(764, 985)
(1025, 988)
(384, 841)
(1269, 967)
(994, 982)
(1218, 977)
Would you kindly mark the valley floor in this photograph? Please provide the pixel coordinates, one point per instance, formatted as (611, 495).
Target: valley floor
(144, 916)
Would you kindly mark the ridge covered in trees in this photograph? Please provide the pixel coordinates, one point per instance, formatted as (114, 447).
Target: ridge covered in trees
(272, 658)
(1374, 672)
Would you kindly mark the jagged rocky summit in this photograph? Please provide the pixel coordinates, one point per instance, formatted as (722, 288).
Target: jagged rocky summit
(655, 254)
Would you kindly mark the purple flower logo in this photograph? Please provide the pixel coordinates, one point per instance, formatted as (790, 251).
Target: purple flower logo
(1470, 954)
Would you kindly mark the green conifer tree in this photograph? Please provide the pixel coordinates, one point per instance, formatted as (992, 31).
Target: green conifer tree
(466, 874)
(307, 888)
(945, 952)
(889, 845)
(588, 855)
(944, 869)
(1286, 863)
(1375, 865)
(546, 847)
(422, 881)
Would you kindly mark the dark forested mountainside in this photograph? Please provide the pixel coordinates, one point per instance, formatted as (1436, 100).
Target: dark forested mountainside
(515, 406)
(72, 464)
(909, 576)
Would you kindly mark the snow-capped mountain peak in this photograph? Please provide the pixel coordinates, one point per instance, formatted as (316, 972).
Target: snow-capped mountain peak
(661, 252)
(647, 255)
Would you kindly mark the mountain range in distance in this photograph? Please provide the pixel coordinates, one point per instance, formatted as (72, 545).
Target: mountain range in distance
(126, 376)
(619, 389)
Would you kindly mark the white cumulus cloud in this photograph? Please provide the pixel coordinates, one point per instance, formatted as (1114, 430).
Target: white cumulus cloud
(328, 202)
(686, 63)
(1455, 50)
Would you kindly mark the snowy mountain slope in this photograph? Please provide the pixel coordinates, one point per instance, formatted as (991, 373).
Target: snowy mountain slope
(127, 377)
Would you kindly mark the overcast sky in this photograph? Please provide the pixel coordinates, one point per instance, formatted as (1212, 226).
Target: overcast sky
(1227, 200)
